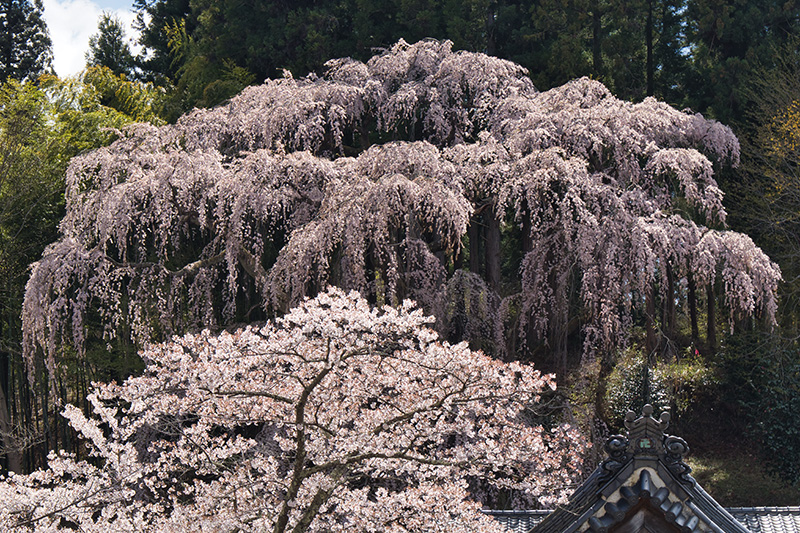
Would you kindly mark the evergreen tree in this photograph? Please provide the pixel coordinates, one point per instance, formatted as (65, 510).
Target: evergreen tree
(153, 17)
(108, 47)
(635, 48)
(729, 40)
(25, 47)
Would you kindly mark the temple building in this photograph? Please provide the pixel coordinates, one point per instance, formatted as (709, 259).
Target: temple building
(645, 486)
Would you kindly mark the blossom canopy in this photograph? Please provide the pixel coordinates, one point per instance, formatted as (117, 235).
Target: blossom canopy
(399, 178)
(336, 417)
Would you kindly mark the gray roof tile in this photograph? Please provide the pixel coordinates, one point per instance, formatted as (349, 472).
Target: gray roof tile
(518, 521)
(756, 519)
(768, 519)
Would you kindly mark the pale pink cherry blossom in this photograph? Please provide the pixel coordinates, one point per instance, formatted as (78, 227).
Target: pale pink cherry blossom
(336, 417)
(367, 177)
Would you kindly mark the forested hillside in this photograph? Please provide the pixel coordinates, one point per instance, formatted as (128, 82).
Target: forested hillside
(605, 191)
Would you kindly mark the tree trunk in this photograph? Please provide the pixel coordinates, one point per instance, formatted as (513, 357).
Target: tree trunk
(650, 343)
(458, 257)
(559, 330)
(711, 322)
(597, 51)
(491, 43)
(475, 245)
(649, 44)
(492, 250)
(668, 325)
(692, 301)
(13, 453)
(527, 239)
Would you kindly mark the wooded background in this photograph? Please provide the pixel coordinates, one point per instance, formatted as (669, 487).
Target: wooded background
(733, 61)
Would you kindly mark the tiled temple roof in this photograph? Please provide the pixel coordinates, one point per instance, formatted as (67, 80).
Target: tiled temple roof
(768, 519)
(755, 519)
(644, 485)
(518, 521)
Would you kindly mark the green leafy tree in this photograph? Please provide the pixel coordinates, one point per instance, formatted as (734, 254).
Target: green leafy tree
(31, 203)
(42, 126)
(108, 47)
(767, 193)
(25, 47)
(88, 110)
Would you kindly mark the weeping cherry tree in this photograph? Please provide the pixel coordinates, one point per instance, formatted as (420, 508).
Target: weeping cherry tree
(518, 218)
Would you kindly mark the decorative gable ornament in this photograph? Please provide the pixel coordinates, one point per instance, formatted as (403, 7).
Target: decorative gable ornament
(643, 486)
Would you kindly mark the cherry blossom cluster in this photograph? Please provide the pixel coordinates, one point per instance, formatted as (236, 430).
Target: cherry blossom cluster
(336, 417)
(369, 178)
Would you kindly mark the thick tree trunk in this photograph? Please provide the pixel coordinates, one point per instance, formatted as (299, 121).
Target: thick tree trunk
(475, 245)
(597, 50)
(491, 43)
(527, 239)
(649, 44)
(559, 330)
(692, 301)
(650, 343)
(492, 250)
(711, 322)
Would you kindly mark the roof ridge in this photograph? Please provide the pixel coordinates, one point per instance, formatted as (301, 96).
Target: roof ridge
(765, 509)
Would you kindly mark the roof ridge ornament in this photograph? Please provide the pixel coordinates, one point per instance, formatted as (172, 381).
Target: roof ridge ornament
(645, 438)
(643, 485)
(645, 433)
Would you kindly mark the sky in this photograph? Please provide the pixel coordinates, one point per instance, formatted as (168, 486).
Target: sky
(72, 22)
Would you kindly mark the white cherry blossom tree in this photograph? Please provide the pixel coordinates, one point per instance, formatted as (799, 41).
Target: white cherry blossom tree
(403, 177)
(336, 417)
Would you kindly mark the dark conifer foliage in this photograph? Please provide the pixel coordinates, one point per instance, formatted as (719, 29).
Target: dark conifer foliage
(153, 17)
(109, 48)
(636, 48)
(25, 47)
(730, 42)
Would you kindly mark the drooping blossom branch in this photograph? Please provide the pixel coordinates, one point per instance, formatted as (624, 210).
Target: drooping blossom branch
(373, 178)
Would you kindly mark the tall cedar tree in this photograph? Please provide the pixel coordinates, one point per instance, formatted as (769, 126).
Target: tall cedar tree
(152, 19)
(636, 48)
(25, 47)
(729, 41)
(108, 47)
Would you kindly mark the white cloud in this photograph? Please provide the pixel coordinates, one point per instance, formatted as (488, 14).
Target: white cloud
(71, 23)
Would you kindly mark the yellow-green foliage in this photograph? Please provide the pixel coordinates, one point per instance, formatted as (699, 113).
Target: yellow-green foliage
(784, 130)
(686, 379)
(673, 385)
(89, 107)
